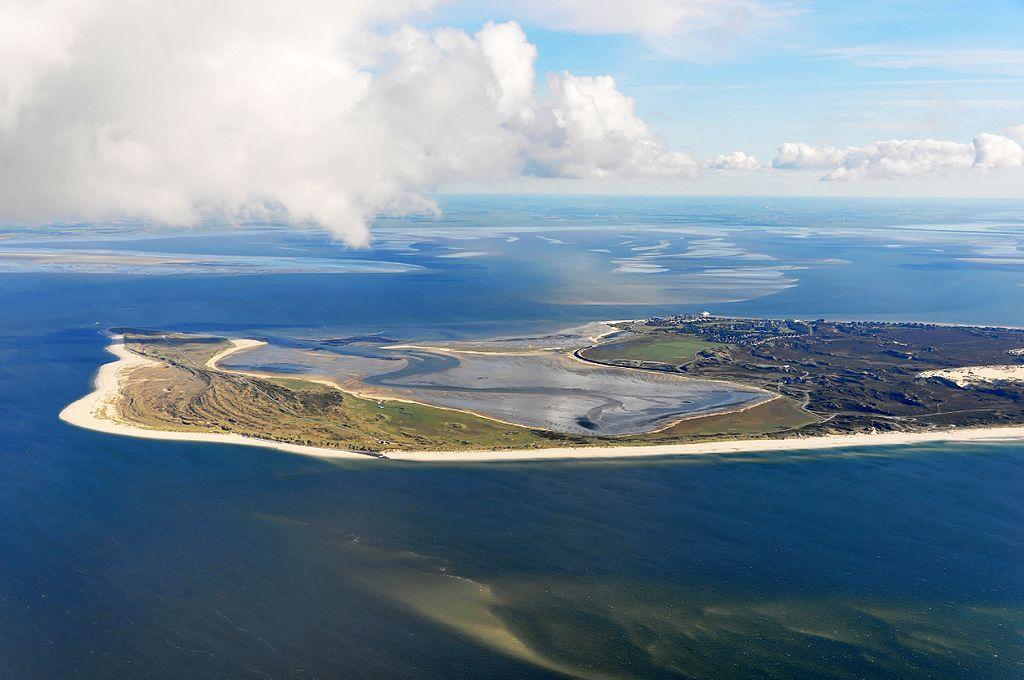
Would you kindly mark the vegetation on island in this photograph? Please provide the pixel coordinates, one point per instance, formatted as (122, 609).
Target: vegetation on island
(831, 377)
(855, 376)
(183, 393)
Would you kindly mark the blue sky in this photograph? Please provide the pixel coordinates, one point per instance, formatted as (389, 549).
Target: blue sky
(835, 72)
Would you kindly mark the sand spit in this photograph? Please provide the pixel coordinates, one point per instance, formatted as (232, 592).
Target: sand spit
(237, 345)
(95, 411)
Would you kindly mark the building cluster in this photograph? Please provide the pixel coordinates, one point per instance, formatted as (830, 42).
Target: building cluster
(729, 330)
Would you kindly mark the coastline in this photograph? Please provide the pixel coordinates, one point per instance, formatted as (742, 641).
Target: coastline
(837, 441)
(93, 412)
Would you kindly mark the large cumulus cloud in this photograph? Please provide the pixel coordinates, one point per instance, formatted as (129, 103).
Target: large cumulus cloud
(325, 112)
(1003, 150)
(588, 129)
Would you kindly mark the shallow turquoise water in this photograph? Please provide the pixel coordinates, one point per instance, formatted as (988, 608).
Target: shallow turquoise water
(124, 558)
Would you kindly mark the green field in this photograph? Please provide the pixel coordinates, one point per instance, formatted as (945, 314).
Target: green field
(666, 349)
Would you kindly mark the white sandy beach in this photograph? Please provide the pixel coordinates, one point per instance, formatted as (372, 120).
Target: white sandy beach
(985, 434)
(966, 376)
(237, 345)
(95, 411)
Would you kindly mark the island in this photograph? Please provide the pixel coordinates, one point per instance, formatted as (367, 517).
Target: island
(660, 386)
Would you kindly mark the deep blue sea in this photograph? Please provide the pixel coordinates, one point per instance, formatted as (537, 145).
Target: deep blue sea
(124, 558)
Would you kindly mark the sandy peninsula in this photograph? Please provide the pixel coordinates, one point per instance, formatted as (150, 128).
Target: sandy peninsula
(95, 411)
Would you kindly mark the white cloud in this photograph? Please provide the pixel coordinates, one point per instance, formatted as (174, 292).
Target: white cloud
(1003, 150)
(588, 129)
(900, 158)
(1015, 133)
(33, 39)
(998, 151)
(685, 28)
(897, 158)
(737, 160)
(329, 112)
(800, 156)
(511, 60)
(153, 109)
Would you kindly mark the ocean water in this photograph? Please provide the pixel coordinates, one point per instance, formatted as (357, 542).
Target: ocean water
(126, 558)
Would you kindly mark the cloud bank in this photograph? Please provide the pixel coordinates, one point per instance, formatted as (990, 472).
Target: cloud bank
(903, 158)
(319, 111)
